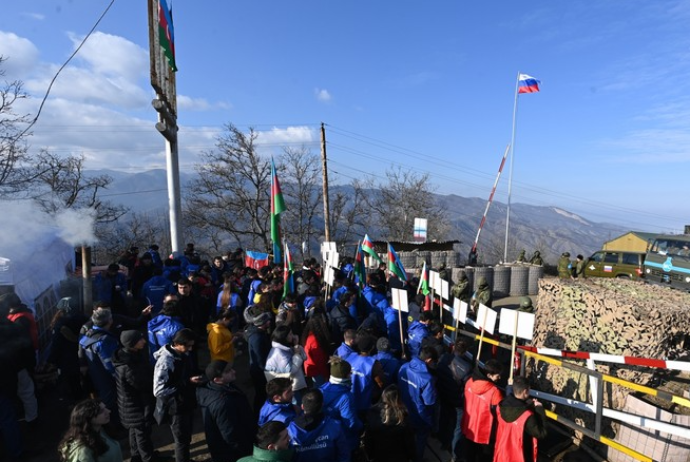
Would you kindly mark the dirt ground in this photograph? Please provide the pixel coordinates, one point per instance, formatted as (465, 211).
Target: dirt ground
(54, 414)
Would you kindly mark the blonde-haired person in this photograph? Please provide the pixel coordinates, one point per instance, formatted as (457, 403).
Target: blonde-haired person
(388, 435)
(85, 440)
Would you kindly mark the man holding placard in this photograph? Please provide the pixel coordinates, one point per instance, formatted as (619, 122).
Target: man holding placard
(521, 422)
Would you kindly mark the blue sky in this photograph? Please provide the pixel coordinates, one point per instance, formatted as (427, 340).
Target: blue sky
(410, 84)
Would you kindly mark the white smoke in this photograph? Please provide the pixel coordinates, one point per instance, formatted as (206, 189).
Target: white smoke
(76, 227)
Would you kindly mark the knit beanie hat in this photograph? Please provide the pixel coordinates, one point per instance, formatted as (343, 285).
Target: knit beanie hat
(383, 344)
(101, 317)
(340, 368)
(129, 338)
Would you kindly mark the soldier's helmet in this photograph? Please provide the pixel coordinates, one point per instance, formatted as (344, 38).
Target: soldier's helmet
(525, 302)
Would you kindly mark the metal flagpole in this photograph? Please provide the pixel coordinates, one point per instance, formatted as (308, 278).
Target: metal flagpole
(510, 177)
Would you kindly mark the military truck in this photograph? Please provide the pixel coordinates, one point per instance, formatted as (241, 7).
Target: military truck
(668, 261)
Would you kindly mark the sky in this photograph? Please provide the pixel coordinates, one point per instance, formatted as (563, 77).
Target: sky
(428, 86)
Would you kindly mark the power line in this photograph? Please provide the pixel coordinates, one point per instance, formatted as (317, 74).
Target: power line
(52, 81)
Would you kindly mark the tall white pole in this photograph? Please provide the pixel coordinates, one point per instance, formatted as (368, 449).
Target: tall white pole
(512, 160)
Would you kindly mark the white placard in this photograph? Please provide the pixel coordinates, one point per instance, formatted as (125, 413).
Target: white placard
(461, 310)
(399, 300)
(486, 318)
(334, 259)
(329, 275)
(445, 289)
(525, 323)
(433, 278)
(326, 248)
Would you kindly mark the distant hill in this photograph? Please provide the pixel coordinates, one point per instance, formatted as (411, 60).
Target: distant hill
(551, 229)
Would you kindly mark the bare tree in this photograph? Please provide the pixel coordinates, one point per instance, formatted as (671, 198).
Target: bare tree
(348, 219)
(301, 188)
(231, 191)
(62, 184)
(405, 196)
(133, 229)
(13, 145)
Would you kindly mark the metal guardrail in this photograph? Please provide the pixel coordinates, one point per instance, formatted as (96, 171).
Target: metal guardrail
(597, 407)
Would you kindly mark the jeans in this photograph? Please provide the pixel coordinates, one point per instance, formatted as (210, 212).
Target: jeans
(456, 444)
(25, 391)
(140, 443)
(181, 427)
(421, 435)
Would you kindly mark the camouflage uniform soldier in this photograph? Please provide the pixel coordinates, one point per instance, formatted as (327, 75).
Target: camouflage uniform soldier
(536, 259)
(564, 266)
(461, 289)
(482, 295)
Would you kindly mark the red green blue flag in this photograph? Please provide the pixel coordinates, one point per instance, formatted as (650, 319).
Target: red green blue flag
(277, 207)
(424, 281)
(368, 247)
(288, 271)
(360, 268)
(395, 266)
(166, 33)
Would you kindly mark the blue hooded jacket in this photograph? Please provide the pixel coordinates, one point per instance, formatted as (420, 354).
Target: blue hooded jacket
(161, 331)
(415, 334)
(391, 366)
(362, 380)
(282, 412)
(418, 392)
(391, 317)
(345, 351)
(317, 440)
(338, 402)
(154, 291)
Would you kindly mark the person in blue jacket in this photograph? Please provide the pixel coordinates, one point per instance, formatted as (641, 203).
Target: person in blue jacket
(417, 332)
(155, 289)
(347, 348)
(391, 364)
(367, 374)
(97, 347)
(278, 405)
(316, 437)
(110, 286)
(373, 294)
(392, 318)
(162, 328)
(338, 401)
(155, 256)
(418, 391)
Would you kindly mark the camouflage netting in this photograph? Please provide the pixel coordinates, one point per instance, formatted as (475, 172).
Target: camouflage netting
(611, 316)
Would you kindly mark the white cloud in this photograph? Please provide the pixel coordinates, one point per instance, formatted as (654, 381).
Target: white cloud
(112, 55)
(35, 16)
(21, 55)
(289, 135)
(322, 95)
(198, 104)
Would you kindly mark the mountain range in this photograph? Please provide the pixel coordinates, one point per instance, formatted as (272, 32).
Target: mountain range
(550, 229)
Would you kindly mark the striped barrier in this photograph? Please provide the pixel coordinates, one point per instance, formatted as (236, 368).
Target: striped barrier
(616, 359)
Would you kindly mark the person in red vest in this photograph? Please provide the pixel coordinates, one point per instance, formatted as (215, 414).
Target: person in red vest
(479, 418)
(521, 422)
(20, 314)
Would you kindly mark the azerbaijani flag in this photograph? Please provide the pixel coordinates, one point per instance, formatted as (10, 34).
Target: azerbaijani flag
(166, 34)
(277, 207)
(424, 281)
(527, 84)
(255, 260)
(360, 269)
(395, 265)
(288, 270)
(368, 247)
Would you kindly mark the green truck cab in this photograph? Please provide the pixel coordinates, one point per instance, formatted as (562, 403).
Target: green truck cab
(615, 264)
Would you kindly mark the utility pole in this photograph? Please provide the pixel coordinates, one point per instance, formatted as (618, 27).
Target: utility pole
(163, 82)
(87, 282)
(326, 207)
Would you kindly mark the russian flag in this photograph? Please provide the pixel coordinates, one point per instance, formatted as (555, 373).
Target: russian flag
(527, 84)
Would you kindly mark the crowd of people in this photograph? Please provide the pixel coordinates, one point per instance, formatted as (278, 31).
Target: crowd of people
(337, 373)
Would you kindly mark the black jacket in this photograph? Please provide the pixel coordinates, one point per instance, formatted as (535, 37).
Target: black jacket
(512, 408)
(134, 380)
(228, 421)
(389, 443)
(259, 345)
(15, 351)
(340, 320)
